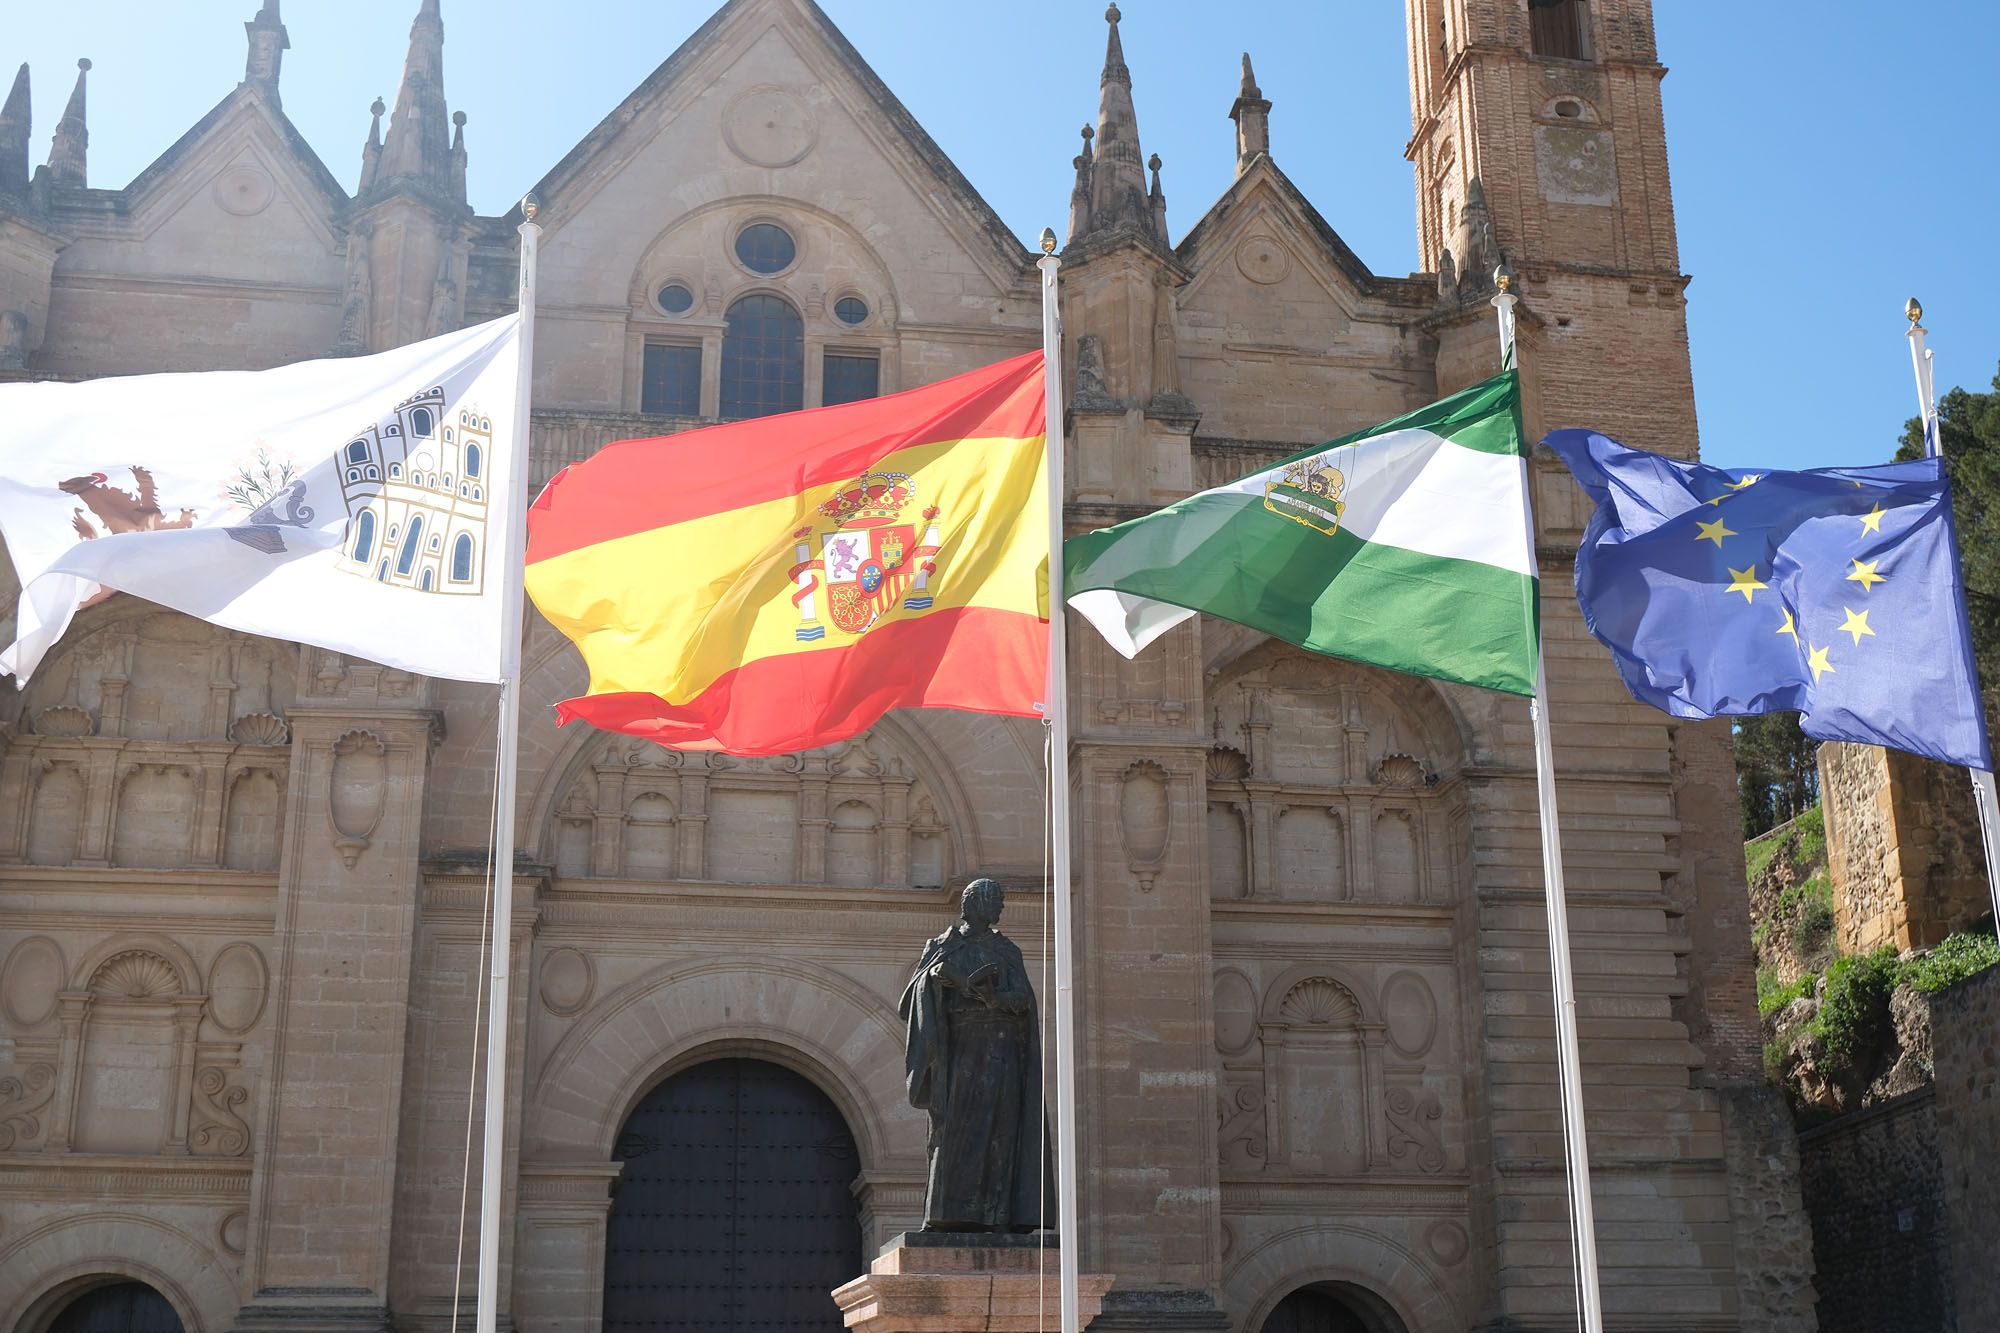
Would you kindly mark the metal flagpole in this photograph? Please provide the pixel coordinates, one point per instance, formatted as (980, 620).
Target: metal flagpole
(1569, 1065)
(1067, 1237)
(1983, 797)
(492, 1185)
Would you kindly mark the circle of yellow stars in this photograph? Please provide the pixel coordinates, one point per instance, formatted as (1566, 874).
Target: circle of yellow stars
(1864, 572)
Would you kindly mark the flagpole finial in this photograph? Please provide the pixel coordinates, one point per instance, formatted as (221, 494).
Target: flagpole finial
(1048, 240)
(1503, 278)
(1913, 310)
(531, 204)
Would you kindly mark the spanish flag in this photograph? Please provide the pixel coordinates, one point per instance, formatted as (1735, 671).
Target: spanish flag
(773, 585)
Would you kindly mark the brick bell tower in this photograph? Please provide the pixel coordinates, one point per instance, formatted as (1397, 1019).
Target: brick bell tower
(1538, 141)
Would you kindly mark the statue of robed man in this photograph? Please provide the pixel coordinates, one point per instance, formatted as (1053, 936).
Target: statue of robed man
(974, 1061)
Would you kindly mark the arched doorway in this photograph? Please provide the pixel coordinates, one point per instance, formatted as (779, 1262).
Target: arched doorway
(1333, 1307)
(735, 1210)
(117, 1307)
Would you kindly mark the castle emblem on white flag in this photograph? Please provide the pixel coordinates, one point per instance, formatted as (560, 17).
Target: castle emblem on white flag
(365, 519)
(415, 487)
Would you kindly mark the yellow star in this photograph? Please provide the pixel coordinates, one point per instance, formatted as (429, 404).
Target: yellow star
(1790, 626)
(1712, 532)
(1749, 479)
(1872, 522)
(1857, 625)
(1865, 575)
(1746, 582)
(1820, 666)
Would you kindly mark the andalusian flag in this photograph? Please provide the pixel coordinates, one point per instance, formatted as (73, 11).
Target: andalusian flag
(1407, 546)
(777, 584)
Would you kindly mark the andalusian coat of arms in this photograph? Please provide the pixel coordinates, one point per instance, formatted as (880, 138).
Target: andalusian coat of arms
(1308, 491)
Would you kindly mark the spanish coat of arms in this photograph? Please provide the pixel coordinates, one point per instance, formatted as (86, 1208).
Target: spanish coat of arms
(869, 560)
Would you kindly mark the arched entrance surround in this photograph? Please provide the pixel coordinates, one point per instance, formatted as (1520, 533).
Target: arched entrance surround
(814, 1021)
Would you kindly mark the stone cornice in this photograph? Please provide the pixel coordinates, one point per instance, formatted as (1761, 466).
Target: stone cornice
(74, 1176)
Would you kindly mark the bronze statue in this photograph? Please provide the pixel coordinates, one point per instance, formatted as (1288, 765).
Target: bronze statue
(974, 1062)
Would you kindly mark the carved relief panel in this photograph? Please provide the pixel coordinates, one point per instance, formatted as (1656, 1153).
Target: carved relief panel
(859, 814)
(1336, 1069)
(1330, 783)
(156, 742)
(135, 1050)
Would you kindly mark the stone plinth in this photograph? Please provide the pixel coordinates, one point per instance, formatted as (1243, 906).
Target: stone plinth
(964, 1282)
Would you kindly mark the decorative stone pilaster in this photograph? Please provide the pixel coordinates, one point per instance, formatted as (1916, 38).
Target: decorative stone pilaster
(323, 1187)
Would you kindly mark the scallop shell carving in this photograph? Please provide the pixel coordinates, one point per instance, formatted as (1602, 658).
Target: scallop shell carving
(64, 720)
(1399, 770)
(1227, 764)
(1319, 1001)
(135, 975)
(260, 729)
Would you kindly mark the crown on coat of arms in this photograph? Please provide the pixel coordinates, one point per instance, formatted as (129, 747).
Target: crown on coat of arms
(877, 498)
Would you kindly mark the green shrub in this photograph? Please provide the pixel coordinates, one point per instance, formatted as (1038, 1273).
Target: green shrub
(1811, 828)
(1854, 1011)
(1757, 854)
(1953, 959)
(1773, 995)
(1815, 913)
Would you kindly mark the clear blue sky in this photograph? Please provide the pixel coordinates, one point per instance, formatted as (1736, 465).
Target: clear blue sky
(1829, 160)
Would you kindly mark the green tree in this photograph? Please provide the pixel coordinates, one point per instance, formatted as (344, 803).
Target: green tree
(1969, 426)
(1777, 771)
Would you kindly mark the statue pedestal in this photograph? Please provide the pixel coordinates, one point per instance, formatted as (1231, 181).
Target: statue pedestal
(964, 1282)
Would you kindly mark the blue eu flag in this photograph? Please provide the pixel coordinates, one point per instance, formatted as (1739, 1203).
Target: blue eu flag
(1832, 593)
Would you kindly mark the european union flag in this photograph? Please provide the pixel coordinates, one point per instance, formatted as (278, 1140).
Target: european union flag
(1832, 593)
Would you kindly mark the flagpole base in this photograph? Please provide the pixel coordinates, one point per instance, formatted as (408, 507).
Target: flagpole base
(964, 1282)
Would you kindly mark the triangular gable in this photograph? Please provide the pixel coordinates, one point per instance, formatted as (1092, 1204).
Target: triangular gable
(1006, 249)
(311, 170)
(1264, 172)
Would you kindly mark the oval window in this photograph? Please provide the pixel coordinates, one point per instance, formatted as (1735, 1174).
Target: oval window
(850, 310)
(765, 247)
(676, 299)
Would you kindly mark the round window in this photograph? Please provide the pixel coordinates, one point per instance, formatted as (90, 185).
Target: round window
(766, 248)
(676, 299)
(850, 310)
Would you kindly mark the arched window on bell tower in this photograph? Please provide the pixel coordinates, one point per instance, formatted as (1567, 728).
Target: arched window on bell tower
(1560, 28)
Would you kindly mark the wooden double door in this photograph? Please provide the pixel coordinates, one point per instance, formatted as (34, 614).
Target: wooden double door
(735, 1211)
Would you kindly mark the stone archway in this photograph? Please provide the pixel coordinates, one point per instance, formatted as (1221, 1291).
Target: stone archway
(118, 1306)
(1333, 1307)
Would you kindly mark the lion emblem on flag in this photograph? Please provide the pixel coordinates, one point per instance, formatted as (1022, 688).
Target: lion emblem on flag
(869, 562)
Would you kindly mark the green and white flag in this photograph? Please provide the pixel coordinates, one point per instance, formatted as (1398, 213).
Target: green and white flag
(1407, 546)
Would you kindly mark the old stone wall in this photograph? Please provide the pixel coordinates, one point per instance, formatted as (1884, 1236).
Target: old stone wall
(1902, 841)
(1874, 1183)
(1964, 1020)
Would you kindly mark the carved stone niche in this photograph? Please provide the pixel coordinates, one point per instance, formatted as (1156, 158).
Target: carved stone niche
(1313, 1080)
(358, 792)
(1145, 820)
(134, 673)
(866, 813)
(1330, 782)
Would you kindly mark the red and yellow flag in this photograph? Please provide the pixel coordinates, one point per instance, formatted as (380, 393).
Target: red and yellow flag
(778, 584)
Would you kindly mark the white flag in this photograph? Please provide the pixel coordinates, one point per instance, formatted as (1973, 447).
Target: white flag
(358, 504)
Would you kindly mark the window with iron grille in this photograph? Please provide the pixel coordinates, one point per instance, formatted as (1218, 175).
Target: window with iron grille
(763, 358)
(851, 377)
(671, 380)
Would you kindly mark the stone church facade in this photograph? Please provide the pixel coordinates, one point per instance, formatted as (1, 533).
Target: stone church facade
(241, 882)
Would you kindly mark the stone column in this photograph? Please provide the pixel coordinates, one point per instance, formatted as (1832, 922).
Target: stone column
(323, 1187)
